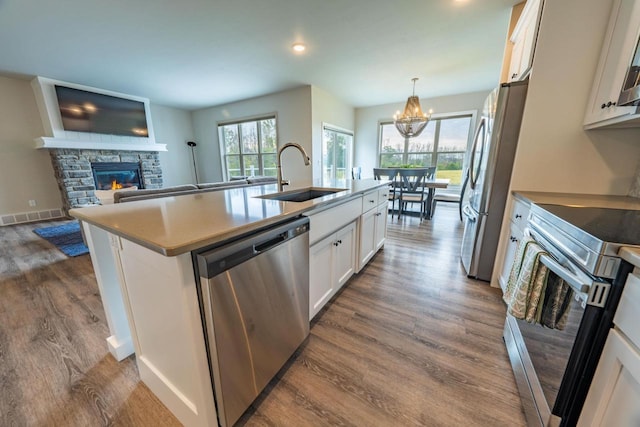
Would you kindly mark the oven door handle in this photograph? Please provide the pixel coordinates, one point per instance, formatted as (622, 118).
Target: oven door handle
(589, 291)
(579, 284)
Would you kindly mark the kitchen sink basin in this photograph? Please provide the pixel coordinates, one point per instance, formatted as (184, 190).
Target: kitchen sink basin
(303, 194)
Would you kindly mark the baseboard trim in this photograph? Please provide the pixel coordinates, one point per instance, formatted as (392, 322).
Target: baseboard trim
(23, 217)
(120, 350)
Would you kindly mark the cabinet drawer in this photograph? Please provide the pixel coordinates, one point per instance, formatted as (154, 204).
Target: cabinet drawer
(383, 195)
(628, 314)
(369, 201)
(328, 221)
(520, 213)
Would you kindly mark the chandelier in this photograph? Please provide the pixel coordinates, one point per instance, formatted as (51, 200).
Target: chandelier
(412, 121)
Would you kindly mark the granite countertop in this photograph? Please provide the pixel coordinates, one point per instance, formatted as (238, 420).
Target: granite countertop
(179, 224)
(579, 200)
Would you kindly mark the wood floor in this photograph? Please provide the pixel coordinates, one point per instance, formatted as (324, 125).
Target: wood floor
(408, 341)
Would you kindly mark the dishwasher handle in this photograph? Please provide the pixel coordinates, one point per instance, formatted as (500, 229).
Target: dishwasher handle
(213, 261)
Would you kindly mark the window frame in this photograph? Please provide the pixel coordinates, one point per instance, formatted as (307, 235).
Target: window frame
(472, 114)
(238, 122)
(349, 151)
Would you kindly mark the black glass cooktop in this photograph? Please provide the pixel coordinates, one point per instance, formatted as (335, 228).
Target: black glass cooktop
(609, 225)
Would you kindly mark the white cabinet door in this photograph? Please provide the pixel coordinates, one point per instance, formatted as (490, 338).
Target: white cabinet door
(614, 396)
(332, 261)
(321, 274)
(517, 223)
(367, 238)
(523, 40)
(345, 250)
(515, 234)
(615, 57)
(381, 225)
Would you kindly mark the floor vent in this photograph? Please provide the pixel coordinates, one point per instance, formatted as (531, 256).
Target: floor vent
(30, 216)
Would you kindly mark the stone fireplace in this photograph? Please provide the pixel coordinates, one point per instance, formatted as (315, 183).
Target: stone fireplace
(77, 180)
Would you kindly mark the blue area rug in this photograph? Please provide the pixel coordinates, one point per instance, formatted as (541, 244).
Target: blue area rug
(66, 237)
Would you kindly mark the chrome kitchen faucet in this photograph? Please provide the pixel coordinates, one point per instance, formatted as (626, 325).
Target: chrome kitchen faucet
(305, 157)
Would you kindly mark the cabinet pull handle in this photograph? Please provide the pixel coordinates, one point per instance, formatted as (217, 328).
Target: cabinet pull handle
(513, 239)
(603, 106)
(339, 242)
(518, 216)
(609, 104)
(372, 201)
(335, 243)
(514, 75)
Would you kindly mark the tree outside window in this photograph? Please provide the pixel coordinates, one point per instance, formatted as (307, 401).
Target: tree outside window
(336, 154)
(443, 143)
(249, 147)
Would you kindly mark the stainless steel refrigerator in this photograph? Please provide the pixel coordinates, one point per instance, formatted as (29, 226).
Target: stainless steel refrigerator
(490, 165)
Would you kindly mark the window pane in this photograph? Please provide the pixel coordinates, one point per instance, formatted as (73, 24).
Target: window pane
(391, 140)
(328, 155)
(419, 159)
(269, 139)
(454, 134)
(230, 136)
(450, 166)
(233, 166)
(269, 165)
(425, 141)
(341, 155)
(390, 160)
(251, 164)
(249, 137)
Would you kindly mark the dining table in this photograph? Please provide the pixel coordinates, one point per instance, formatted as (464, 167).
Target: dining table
(431, 185)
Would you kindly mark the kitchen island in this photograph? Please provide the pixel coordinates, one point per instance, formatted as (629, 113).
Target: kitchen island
(141, 254)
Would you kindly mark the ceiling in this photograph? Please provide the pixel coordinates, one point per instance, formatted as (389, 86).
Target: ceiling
(199, 53)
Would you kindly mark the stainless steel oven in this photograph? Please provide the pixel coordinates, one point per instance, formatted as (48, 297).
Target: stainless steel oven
(553, 367)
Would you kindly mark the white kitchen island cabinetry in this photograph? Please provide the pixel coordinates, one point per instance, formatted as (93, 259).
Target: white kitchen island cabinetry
(614, 395)
(517, 223)
(142, 257)
(332, 252)
(615, 57)
(332, 261)
(372, 225)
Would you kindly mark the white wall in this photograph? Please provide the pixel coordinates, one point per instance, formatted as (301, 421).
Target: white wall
(368, 119)
(554, 152)
(293, 109)
(328, 109)
(25, 173)
(173, 127)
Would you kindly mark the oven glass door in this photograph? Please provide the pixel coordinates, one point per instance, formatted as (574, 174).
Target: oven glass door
(550, 349)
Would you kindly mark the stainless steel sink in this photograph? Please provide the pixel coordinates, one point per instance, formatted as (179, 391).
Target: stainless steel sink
(303, 194)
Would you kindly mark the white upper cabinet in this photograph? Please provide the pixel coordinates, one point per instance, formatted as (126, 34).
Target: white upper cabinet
(523, 40)
(617, 52)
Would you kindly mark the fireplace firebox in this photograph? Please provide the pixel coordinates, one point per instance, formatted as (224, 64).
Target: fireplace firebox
(116, 175)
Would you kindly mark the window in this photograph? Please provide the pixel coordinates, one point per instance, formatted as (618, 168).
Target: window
(443, 143)
(249, 148)
(336, 153)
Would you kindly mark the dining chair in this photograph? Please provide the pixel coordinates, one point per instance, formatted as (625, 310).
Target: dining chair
(412, 188)
(451, 197)
(389, 174)
(356, 172)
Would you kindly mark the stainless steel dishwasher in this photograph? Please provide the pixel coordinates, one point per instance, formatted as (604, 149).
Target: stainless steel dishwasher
(254, 297)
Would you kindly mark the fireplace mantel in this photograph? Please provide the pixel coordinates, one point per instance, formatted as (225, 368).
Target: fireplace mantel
(47, 142)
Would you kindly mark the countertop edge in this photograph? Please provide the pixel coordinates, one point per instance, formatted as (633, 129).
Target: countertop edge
(296, 209)
(631, 255)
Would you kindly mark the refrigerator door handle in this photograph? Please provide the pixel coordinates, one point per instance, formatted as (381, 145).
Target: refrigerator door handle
(468, 212)
(481, 128)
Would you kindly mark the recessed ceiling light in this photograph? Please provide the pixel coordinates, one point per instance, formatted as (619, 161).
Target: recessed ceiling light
(298, 47)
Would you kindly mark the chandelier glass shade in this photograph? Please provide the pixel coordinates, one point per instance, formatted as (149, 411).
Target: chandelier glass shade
(413, 120)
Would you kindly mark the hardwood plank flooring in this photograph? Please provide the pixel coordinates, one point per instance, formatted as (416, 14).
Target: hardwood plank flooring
(408, 341)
